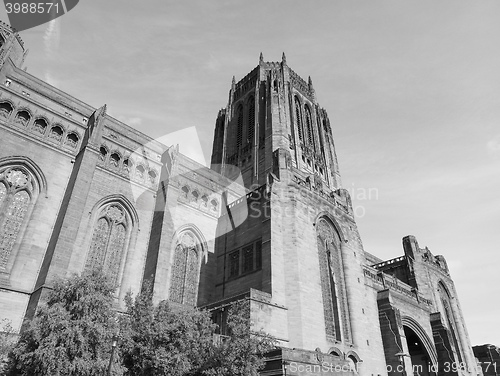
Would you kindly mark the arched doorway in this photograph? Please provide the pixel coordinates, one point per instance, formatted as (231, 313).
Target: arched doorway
(421, 361)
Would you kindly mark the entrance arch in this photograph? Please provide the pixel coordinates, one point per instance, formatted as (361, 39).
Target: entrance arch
(422, 353)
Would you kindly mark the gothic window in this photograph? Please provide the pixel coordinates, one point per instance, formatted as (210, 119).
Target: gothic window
(108, 240)
(185, 271)
(329, 267)
(139, 172)
(17, 190)
(449, 317)
(195, 196)
(298, 118)
(248, 258)
(214, 205)
(251, 120)
(310, 136)
(185, 191)
(126, 166)
(258, 254)
(72, 140)
(5, 109)
(239, 126)
(114, 160)
(234, 264)
(152, 176)
(56, 133)
(204, 199)
(39, 126)
(23, 118)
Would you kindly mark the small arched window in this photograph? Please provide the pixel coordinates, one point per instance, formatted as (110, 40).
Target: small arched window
(127, 165)
(109, 239)
(214, 205)
(185, 270)
(139, 172)
(72, 140)
(103, 152)
(152, 176)
(40, 125)
(56, 133)
(18, 190)
(23, 118)
(239, 126)
(251, 121)
(114, 160)
(195, 195)
(298, 118)
(185, 191)
(204, 200)
(5, 109)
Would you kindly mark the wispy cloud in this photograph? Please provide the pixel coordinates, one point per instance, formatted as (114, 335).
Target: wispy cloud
(51, 41)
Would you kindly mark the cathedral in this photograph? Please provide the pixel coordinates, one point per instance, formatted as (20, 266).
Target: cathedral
(268, 222)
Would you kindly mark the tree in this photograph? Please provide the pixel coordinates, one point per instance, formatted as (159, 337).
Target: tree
(167, 339)
(242, 352)
(7, 340)
(72, 333)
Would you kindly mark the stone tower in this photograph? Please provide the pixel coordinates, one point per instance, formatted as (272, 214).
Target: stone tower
(298, 253)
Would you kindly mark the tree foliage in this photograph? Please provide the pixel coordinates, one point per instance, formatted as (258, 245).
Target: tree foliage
(72, 333)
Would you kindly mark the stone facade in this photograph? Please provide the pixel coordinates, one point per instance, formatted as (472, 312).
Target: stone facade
(269, 222)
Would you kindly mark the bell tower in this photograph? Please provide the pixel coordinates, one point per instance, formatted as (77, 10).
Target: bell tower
(273, 122)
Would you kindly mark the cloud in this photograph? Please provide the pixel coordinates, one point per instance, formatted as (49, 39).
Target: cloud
(52, 37)
(493, 146)
(133, 121)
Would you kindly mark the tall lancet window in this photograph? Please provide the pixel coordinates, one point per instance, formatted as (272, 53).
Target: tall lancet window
(298, 118)
(329, 267)
(185, 270)
(310, 135)
(109, 240)
(239, 126)
(251, 120)
(449, 318)
(18, 191)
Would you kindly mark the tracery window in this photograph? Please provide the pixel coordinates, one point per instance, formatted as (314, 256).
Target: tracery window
(298, 118)
(72, 140)
(251, 120)
(56, 133)
(185, 270)
(17, 190)
(310, 136)
(450, 318)
(40, 125)
(5, 109)
(239, 126)
(109, 239)
(329, 267)
(23, 118)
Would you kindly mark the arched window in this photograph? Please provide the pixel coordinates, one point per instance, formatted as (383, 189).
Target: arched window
(251, 120)
(72, 140)
(5, 109)
(298, 118)
(109, 239)
(56, 133)
(239, 126)
(103, 152)
(23, 118)
(185, 270)
(40, 125)
(329, 267)
(18, 189)
(114, 160)
(310, 136)
(449, 317)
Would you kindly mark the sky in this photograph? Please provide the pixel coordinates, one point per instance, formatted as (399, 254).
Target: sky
(412, 89)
